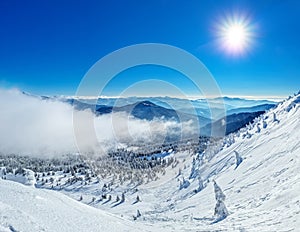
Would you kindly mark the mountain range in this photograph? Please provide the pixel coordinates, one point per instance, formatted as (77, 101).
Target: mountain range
(201, 107)
(252, 173)
(147, 110)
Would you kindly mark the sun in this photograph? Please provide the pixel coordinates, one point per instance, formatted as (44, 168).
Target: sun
(235, 35)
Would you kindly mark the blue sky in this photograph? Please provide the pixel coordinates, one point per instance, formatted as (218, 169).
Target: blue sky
(47, 46)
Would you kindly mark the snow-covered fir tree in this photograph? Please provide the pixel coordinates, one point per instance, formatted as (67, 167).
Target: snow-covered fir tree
(200, 184)
(238, 159)
(275, 118)
(221, 211)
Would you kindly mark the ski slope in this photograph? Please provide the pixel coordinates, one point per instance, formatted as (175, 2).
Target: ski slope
(262, 192)
(25, 208)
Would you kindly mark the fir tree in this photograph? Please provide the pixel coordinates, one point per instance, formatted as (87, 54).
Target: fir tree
(220, 208)
(238, 158)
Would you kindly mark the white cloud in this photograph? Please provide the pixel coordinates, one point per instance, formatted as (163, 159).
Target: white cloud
(31, 126)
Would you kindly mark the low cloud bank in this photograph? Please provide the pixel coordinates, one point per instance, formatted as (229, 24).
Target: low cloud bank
(44, 128)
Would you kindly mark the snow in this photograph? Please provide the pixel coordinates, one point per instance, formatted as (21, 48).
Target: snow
(262, 191)
(27, 178)
(25, 208)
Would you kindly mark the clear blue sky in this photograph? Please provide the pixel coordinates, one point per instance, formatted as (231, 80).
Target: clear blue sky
(47, 46)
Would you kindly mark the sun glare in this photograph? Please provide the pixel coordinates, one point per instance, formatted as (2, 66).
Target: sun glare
(235, 35)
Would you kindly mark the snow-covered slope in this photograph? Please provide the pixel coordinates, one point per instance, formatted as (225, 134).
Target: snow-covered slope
(25, 176)
(262, 191)
(24, 208)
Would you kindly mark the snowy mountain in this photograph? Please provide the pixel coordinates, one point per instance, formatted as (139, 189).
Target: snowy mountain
(236, 117)
(200, 106)
(148, 110)
(246, 181)
(231, 123)
(235, 102)
(251, 109)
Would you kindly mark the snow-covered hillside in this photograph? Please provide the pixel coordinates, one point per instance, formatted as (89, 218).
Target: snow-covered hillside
(25, 208)
(262, 192)
(257, 168)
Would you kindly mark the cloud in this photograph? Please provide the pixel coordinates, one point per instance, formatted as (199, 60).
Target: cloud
(31, 126)
(44, 128)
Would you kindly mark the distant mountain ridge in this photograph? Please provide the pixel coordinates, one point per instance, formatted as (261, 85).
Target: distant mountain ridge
(230, 123)
(236, 118)
(251, 109)
(148, 110)
(201, 107)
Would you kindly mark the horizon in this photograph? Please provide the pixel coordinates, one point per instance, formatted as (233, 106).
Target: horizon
(86, 97)
(270, 98)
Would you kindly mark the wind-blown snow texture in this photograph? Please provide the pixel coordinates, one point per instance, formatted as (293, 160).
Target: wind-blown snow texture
(262, 192)
(24, 208)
